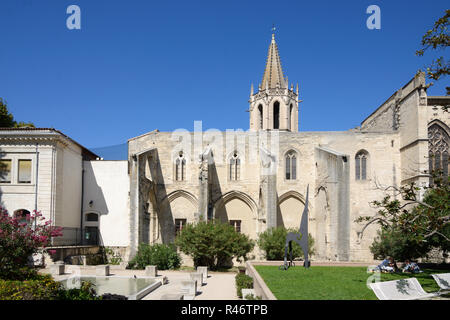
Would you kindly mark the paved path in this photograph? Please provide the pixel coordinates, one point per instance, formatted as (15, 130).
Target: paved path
(219, 285)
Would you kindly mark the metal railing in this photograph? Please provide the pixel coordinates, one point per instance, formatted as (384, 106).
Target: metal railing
(78, 237)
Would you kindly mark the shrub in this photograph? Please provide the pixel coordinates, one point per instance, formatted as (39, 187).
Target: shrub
(85, 292)
(272, 242)
(41, 287)
(252, 297)
(44, 287)
(243, 281)
(161, 255)
(213, 244)
(112, 257)
(19, 240)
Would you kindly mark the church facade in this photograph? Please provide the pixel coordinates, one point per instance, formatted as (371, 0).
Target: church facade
(256, 179)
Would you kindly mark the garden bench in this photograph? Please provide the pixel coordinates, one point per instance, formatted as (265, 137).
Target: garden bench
(443, 281)
(404, 289)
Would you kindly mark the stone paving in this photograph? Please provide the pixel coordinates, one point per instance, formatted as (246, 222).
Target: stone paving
(219, 285)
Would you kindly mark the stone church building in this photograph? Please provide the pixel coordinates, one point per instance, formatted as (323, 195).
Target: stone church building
(253, 179)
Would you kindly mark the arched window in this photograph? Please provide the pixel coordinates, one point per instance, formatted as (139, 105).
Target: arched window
(235, 167)
(260, 113)
(361, 163)
(180, 167)
(276, 115)
(92, 217)
(438, 142)
(291, 165)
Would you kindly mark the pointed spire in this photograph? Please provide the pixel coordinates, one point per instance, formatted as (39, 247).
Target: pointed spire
(251, 89)
(297, 89)
(273, 74)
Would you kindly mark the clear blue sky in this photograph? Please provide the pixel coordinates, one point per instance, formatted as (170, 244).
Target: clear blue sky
(140, 65)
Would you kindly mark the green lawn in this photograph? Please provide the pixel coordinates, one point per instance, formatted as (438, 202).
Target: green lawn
(331, 283)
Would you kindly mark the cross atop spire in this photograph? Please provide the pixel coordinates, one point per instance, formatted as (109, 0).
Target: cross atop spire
(273, 74)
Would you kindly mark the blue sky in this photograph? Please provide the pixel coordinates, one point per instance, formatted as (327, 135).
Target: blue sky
(140, 65)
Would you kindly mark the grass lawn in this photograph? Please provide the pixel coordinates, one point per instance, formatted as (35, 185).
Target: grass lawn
(332, 283)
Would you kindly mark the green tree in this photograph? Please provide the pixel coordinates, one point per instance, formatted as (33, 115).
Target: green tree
(7, 119)
(411, 227)
(273, 240)
(213, 244)
(437, 38)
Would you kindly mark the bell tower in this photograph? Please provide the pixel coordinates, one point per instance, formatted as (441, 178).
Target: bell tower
(274, 106)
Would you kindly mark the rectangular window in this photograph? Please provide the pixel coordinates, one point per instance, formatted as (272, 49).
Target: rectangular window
(179, 226)
(24, 171)
(236, 224)
(5, 171)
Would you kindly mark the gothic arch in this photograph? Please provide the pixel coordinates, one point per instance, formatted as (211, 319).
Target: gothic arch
(362, 165)
(239, 195)
(276, 116)
(181, 193)
(237, 206)
(290, 208)
(290, 164)
(260, 116)
(445, 127)
(294, 194)
(438, 147)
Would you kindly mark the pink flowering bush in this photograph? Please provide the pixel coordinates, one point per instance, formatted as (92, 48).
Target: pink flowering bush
(19, 239)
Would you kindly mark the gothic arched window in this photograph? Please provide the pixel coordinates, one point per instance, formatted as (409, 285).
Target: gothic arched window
(361, 164)
(276, 115)
(180, 167)
(291, 165)
(235, 167)
(438, 142)
(260, 113)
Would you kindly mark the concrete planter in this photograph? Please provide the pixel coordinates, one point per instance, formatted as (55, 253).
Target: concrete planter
(197, 276)
(102, 270)
(151, 271)
(57, 269)
(204, 271)
(188, 289)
